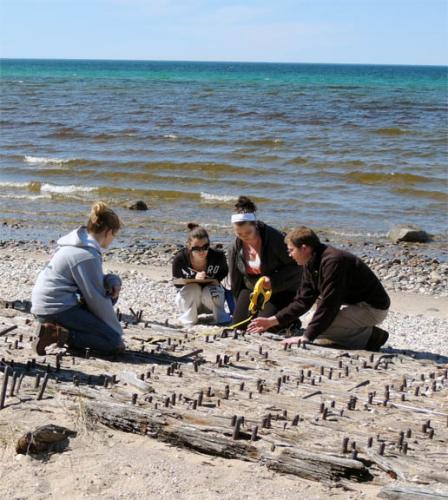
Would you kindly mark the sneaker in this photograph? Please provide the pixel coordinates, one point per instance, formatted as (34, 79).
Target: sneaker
(377, 339)
(47, 334)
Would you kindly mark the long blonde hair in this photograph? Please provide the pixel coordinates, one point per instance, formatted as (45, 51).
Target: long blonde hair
(102, 218)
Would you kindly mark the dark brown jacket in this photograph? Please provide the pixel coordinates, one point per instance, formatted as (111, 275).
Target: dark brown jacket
(276, 264)
(338, 277)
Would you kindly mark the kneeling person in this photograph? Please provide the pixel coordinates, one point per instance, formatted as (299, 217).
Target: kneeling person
(352, 300)
(72, 298)
(197, 261)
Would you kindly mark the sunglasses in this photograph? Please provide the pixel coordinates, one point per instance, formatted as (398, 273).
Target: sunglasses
(204, 248)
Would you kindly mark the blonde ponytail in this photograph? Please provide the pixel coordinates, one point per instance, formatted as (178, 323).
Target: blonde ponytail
(102, 218)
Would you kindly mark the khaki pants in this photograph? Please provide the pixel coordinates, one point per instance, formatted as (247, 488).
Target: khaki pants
(352, 326)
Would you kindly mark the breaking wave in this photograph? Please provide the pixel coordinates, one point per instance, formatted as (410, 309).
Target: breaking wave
(54, 188)
(209, 197)
(14, 185)
(44, 160)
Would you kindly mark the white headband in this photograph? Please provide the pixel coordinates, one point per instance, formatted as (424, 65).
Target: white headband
(250, 217)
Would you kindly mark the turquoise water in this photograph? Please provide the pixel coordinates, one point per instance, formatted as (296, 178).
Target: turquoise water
(347, 148)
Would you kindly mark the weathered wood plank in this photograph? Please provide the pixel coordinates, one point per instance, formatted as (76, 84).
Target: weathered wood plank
(411, 492)
(318, 467)
(165, 428)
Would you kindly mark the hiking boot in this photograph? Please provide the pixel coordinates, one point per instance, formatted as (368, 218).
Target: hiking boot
(121, 349)
(377, 339)
(47, 334)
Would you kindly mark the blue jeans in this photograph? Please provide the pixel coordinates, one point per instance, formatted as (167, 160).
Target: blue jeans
(86, 330)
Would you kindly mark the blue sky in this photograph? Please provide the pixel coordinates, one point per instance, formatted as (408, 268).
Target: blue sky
(333, 31)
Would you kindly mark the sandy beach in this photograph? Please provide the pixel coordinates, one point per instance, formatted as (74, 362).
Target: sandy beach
(105, 463)
(417, 284)
(219, 115)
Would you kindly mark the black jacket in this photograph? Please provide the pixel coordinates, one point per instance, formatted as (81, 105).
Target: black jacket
(338, 277)
(216, 265)
(276, 264)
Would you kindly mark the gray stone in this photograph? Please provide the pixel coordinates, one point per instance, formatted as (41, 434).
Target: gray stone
(410, 233)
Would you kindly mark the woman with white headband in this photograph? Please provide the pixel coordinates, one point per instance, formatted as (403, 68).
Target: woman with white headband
(259, 251)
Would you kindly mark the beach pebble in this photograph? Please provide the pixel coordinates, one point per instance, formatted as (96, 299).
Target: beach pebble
(435, 277)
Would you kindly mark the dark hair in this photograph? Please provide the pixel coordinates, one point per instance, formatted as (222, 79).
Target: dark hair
(245, 205)
(102, 218)
(303, 236)
(196, 232)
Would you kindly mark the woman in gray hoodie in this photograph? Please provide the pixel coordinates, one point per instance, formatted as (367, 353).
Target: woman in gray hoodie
(72, 298)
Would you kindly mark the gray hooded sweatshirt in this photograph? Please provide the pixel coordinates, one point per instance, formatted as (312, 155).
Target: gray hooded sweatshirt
(75, 270)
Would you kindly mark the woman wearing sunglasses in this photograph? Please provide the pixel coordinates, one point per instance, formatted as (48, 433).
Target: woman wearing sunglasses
(206, 267)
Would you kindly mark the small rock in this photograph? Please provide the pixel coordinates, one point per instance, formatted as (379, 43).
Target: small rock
(410, 233)
(43, 439)
(137, 205)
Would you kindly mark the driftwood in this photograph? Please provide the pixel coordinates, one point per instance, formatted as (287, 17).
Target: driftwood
(319, 467)
(388, 465)
(411, 492)
(165, 427)
(315, 412)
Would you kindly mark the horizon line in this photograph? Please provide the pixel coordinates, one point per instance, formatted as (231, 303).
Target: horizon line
(215, 61)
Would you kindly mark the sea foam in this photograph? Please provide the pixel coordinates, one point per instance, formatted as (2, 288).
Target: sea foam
(54, 188)
(30, 197)
(44, 160)
(14, 185)
(217, 197)
(47, 188)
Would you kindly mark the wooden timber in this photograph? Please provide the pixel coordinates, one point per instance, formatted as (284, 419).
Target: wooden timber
(319, 413)
(411, 492)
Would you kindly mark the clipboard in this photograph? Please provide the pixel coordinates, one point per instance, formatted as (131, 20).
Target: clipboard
(189, 281)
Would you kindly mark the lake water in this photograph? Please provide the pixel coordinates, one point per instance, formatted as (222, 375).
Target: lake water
(350, 149)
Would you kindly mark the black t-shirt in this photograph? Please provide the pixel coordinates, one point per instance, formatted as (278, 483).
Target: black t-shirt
(216, 265)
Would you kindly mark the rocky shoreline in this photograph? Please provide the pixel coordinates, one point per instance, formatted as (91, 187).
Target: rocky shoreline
(402, 267)
(412, 278)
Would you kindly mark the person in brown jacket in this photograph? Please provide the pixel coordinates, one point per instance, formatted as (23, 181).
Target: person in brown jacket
(351, 300)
